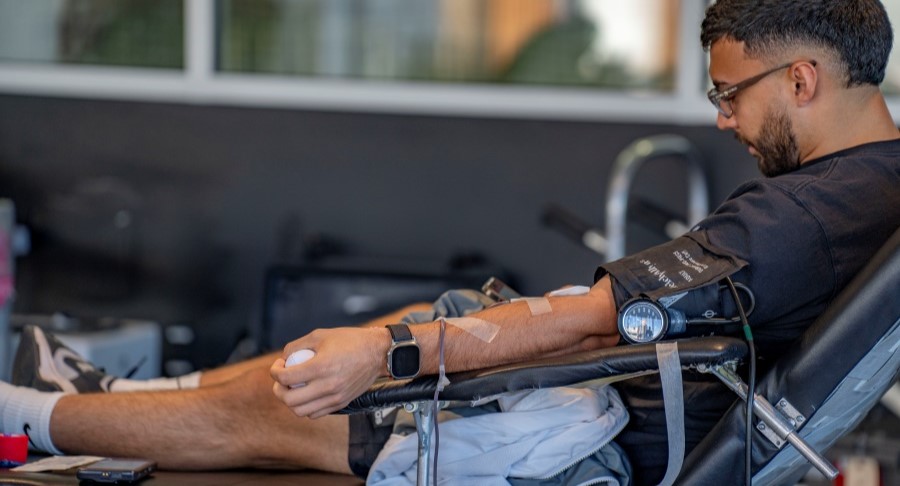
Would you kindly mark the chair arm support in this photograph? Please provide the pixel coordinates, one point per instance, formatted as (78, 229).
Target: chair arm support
(609, 363)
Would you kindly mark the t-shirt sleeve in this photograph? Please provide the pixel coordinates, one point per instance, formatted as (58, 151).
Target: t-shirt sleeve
(762, 237)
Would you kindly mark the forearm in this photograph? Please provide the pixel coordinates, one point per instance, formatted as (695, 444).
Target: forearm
(575, 323)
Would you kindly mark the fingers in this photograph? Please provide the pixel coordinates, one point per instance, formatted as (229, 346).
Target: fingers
(346, 363)
(287, 376)
(321, 407)
(319, 398)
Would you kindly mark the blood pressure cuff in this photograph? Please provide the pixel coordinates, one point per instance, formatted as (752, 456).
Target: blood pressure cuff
(683, 274)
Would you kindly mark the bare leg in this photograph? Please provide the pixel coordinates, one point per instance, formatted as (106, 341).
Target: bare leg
(232, 420)
(217, 376)
(237, 423)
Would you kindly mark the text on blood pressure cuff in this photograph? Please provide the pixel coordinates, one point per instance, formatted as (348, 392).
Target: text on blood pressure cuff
(686, 270)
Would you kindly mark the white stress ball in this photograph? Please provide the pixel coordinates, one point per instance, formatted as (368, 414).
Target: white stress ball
(297, 357)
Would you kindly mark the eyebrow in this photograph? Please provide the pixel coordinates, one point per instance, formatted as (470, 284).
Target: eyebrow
(716, 82)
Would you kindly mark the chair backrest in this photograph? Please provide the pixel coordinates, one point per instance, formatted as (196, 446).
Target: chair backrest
(836, 372)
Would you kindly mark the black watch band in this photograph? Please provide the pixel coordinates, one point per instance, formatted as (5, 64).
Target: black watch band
(400, 332)
(403, 359)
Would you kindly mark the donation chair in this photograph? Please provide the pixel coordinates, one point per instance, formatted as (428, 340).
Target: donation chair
(820, 390)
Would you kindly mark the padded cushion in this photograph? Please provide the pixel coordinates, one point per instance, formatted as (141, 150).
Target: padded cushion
(618, 361)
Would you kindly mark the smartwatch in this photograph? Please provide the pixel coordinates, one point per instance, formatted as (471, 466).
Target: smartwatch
(403, 359)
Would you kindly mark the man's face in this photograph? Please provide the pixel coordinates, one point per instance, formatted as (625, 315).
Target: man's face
(775, 148)
(760, 119)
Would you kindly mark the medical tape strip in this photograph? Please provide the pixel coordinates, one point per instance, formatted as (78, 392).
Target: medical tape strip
(484, 330)
(573, 290)
(673, 404)
(537, 305)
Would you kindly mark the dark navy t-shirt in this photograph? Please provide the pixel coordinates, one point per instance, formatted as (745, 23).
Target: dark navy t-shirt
(795, 240)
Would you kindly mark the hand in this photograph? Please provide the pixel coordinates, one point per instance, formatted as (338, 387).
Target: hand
(347, 361)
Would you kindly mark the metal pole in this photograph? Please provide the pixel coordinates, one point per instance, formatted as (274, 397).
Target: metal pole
(423, 414)
(775, 421)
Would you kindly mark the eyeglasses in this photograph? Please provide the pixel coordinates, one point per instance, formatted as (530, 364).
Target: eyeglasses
(722, 100)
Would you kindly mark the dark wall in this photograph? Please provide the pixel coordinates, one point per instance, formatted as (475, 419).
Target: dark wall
(173, 212)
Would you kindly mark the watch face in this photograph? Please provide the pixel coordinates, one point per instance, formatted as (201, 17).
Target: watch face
(404, 360)
(643, 321)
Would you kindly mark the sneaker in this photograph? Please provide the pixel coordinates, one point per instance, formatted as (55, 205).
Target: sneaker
(44, 363)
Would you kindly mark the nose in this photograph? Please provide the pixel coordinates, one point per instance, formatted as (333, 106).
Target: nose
(725, 123)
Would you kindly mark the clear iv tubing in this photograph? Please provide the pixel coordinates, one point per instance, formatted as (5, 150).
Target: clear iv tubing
(442, 380)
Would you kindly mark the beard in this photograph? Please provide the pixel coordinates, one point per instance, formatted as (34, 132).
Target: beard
(776, 147)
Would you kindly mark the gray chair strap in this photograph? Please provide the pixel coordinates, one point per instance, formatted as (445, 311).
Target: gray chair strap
(673, 399)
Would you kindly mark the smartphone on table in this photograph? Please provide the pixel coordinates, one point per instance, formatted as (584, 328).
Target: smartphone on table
(116, 470)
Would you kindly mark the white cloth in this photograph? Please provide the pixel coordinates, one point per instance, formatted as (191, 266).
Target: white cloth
(538, 434)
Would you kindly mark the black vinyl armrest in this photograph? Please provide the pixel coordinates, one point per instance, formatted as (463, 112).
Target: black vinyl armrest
(619, 361)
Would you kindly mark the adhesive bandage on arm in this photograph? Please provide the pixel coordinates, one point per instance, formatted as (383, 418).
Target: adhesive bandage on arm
(541, 305)
(573, 290)
(483, 330)
(537, 305)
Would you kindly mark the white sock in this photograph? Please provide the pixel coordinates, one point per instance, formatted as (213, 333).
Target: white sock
(25, 410)
(184, 382)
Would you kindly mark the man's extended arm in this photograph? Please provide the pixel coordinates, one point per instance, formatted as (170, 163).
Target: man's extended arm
(349, 360)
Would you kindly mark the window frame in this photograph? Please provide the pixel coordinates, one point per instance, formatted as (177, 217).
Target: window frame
(199, 83)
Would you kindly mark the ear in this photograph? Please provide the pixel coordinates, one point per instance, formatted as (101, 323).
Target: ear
(806, 80)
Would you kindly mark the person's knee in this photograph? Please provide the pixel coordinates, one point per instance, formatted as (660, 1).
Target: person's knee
(254, 386)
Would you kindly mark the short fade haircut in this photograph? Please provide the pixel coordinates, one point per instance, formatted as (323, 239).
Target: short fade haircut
(858, 32)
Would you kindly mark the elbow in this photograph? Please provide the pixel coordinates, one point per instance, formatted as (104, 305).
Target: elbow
(603, 331)
(597, 341)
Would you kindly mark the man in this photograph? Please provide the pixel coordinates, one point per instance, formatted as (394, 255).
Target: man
(797, 81)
